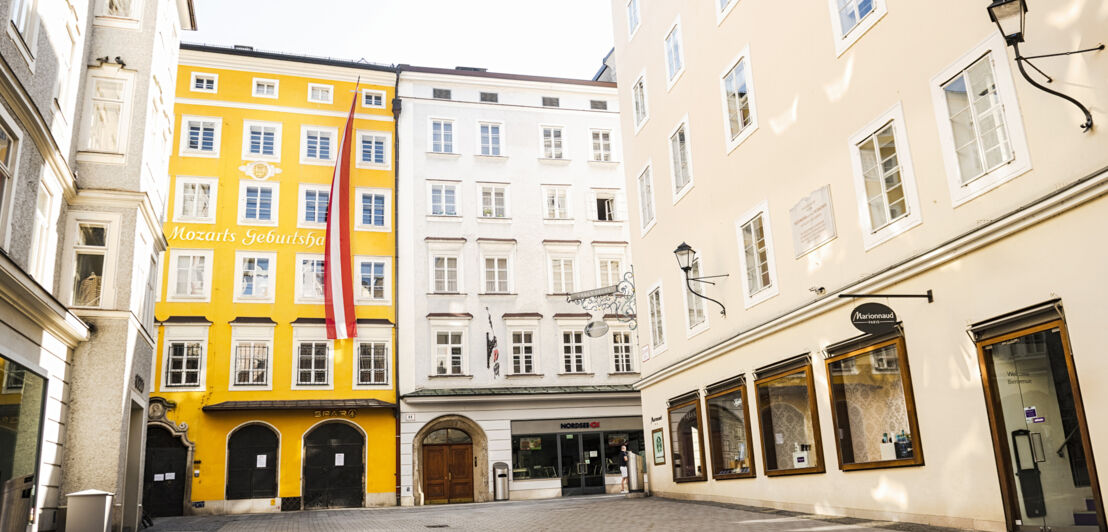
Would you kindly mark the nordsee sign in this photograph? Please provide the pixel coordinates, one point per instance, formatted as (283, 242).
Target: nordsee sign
(873, 318)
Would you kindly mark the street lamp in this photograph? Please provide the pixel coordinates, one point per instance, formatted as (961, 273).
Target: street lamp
(1009, 17)
(685, 254)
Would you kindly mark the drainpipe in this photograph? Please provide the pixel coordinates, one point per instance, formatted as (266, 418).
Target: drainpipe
(396, 107)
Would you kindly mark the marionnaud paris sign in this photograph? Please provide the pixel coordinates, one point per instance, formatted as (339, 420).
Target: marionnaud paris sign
(873, 318)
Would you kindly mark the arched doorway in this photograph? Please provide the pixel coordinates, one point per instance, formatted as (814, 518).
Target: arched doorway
(252, 463)
(334, 467)
(165, 478)
(447, 466)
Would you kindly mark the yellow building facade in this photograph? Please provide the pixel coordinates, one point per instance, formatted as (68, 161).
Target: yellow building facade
(253, 409)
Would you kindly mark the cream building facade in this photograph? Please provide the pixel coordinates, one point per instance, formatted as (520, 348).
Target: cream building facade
(866, 148)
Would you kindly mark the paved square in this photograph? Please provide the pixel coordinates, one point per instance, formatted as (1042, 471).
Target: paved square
(604, 512)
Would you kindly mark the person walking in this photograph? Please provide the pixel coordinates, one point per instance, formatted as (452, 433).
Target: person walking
(623, 460)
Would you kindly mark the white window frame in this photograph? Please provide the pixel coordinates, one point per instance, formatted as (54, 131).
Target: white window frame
(479, 148)
(9, 175)
(217, 136)
(276, 88)
(659, 347)
(431, 136)
(503, 187)
(573, 326)
(373, 334)
(542, 143)
(302, 205)
(259, 333)
(674, 29)
(680, 193)
(387, 147)
(359, 209)
(44, 241)
(452, 249)
(598, 157)
(522, 326)
(246, 155)
(746, 132)
(452, 325)
(961, 193)
(178, 199)
(171, 294)
(546, 190)
(112, 223)
(749, 300)
(872, 237)
(185, 333)
(844, 42)
(310, 334)
(623, 330)
(298, 297)
(562, 251)
(357, 267)
(645, 225)
(330, 92)
(607, 254)
(332, 132)
(26, 39)
(634, 18)
(240, 256)
(382, 94)
(722, 13)
(104, 19)
(619, 209)
(498, 250)
(639, 123)
(691, 329)
(123, 128)
(274, 208)
(196, 75)
(457, 199)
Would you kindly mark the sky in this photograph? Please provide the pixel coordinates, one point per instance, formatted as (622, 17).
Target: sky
(561, 38)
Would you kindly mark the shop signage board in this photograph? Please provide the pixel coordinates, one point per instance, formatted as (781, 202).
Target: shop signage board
(873, 318)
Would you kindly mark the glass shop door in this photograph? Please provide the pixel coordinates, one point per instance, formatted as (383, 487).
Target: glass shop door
(582, 464)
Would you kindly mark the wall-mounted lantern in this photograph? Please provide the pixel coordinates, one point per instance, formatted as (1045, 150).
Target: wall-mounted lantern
(685, 255)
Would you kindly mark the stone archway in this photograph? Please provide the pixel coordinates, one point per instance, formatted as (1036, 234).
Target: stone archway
(481, 472)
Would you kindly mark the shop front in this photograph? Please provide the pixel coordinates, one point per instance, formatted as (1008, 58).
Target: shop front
(573, 456)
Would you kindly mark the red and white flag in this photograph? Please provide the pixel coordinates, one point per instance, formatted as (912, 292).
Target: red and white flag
(338, 277)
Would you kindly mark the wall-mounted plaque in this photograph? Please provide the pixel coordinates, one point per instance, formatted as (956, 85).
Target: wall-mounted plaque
(813, 221)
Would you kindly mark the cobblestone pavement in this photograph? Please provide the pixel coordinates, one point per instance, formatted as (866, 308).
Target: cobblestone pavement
(610, 512)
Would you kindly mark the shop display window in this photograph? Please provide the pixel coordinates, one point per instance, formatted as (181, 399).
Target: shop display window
(613, 441)
(729, 432)
(873, 409)
(22, 397)
(789, 422)
(686, 439)
(535, 456)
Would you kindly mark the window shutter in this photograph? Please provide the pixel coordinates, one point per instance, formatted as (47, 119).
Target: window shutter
(593, 215)
(621, 207)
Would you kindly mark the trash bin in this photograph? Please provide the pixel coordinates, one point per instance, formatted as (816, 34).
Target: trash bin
(634, 473)
(15, 502)
(89, 511)
(500, 481)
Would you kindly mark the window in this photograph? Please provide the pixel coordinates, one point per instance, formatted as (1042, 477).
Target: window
(196, 199)
(200, 136)
(120, 8)
(372, 277)
(258, 203)
(254, 278)
(657, 327)
(90, 252)
(182, 364)
(883, 179)
(372, 363)
(646, 199)
(373, 99)
(535, 456)
(27, 395)
(490, 97)
(552, 142)
(638, 101)
(318, 145)
(881, 175)
(738, 100)
(686, 439)
(573, 352)
(852, 11)
(494, 201)
(757, 256)
(523, 352)
(548, 101)
(23, 12)
(44, 229)
(621, 352)
(440, 94)
(106, 125)
(320, 93)
(373, 210)
(557, 203)
(373, 150)
(444, 200)
(190, 274)
(261, 140)
(311, 364)
(251, 363)
(314, 201)
(605, 207)
(449, 353)
(265, 88)
(490, 138)
(601, 145)
(873, 406)
(8, 156)
(850, 19)
(694, 304)
(679, 154)
(561, 275)
(598, 105)
(674, 58)
(442, 136)
(309, 278)
(445, 274)
(496, 275)
(632, 17)
(977, 120)
(609, 272)
(789, 422)
(204, 82)
(729, 432)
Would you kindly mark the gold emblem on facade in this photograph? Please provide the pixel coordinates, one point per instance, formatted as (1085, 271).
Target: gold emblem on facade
(259, 170)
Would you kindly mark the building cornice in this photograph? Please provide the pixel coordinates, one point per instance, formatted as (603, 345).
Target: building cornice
(25, 294)
(519, 81)
(1043, 208)
(198, 55)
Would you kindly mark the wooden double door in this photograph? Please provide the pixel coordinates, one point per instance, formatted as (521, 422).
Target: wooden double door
(163, 492)
(448, 473)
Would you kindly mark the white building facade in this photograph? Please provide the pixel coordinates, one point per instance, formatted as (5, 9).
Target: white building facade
(510, 197)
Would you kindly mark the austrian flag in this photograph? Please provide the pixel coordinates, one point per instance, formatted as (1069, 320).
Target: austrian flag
(338, 276)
